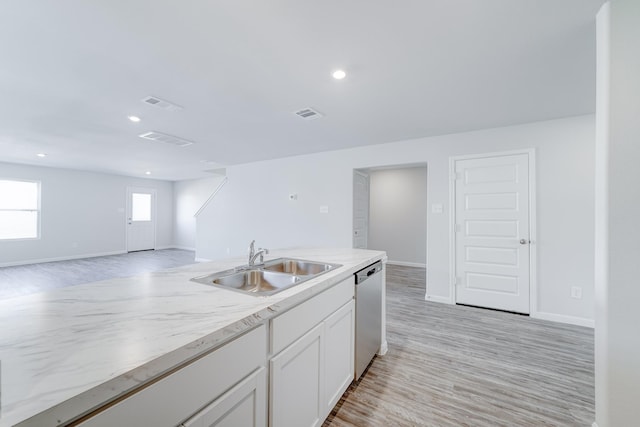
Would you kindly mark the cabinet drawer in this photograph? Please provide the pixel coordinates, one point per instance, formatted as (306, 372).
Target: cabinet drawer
(294, 323)
(244, 405)
(176, 397)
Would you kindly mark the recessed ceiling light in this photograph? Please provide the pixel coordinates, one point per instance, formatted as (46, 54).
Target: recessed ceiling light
(339, 74)
(147, 173)
(134, 119)
(41, 155)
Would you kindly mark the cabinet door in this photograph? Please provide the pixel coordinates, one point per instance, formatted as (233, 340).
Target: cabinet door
(244, 405)
(339, 354)
(297, 382)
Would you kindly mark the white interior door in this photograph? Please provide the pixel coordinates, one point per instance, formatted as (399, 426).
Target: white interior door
(141, 219)
(492, 232)
(360, 210)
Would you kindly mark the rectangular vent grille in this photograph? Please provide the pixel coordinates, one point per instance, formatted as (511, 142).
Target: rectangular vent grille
(161, 103)
(167, 139)
(309, 114)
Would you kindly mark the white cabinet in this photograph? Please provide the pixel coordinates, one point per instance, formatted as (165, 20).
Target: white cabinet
(178, 396)
(297, 382)
(339, 354)
(244, 405)
(310, 375)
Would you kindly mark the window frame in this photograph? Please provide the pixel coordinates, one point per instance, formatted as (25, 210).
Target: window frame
(38, 210)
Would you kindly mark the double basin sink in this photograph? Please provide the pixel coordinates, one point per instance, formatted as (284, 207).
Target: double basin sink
(268, 278)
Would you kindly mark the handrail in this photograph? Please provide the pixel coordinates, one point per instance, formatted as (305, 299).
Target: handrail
(222, 183)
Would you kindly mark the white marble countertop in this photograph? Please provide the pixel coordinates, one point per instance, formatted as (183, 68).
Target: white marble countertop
(65, 352)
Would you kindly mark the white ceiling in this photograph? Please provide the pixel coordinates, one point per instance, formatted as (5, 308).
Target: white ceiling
(71, 72)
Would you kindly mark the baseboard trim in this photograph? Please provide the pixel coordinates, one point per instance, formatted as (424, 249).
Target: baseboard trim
(437, 298)
(184, 248)
(61, 258)
(562, 318)
(383, 348)
(407, 264)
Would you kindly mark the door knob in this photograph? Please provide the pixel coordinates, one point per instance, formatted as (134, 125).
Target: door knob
(523, 242)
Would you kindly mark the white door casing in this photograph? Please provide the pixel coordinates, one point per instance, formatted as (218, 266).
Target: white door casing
(141, 219)
(492, 232)
(360, 210)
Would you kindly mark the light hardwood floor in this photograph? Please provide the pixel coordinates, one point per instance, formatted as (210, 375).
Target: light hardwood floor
(25, 279)
(464, 366)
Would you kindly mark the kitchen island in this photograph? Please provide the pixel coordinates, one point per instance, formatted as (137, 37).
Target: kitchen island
(68, 352)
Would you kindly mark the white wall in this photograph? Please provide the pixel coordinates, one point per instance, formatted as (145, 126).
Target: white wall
(254, 204)
(188, 197)
(398, 213)
(82, 214)
(618, 208)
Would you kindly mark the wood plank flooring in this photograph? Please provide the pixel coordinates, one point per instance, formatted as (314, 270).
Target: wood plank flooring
(464, 366)
(25, 279)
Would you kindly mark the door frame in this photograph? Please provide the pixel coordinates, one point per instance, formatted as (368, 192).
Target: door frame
(533, 284)
(154, 212)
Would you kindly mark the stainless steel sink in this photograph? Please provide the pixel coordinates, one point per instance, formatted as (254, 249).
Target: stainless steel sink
(257, 281)
(268, 278)
(297, 267)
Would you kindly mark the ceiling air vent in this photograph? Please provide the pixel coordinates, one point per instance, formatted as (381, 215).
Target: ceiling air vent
(167, 139)
(161, 103)
(309, 114)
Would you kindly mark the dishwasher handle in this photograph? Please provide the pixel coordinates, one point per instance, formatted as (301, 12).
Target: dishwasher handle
(367, 272)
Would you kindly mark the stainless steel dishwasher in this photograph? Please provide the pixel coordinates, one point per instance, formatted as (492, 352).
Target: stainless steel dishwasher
(368, 315)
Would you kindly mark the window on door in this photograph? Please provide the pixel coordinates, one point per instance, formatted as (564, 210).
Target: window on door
(140, 207)
(19, 209)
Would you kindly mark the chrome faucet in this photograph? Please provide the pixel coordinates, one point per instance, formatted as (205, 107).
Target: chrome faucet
(253, 254)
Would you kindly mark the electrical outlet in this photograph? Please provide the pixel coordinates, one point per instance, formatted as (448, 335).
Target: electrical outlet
(576, 292)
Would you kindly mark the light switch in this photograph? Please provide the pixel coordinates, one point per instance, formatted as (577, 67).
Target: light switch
(324, 209)
(437, 208)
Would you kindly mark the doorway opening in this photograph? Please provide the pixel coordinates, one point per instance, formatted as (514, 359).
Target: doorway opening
(390, 212)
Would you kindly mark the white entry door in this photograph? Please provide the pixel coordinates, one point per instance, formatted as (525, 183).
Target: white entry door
(141, 219)
(492, 232)
(360, 210)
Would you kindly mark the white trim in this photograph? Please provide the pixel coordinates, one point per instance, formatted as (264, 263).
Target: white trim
(533, 259)
(533, 248)
(218, 188)
(563, 318)
(452, 231)
(407, 264)
(62, 258)
(202, 260)
(384, 347)
(184, 248)
(438, 298)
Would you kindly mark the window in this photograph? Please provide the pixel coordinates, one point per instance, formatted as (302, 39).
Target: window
(19, 209)
(140, 207)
